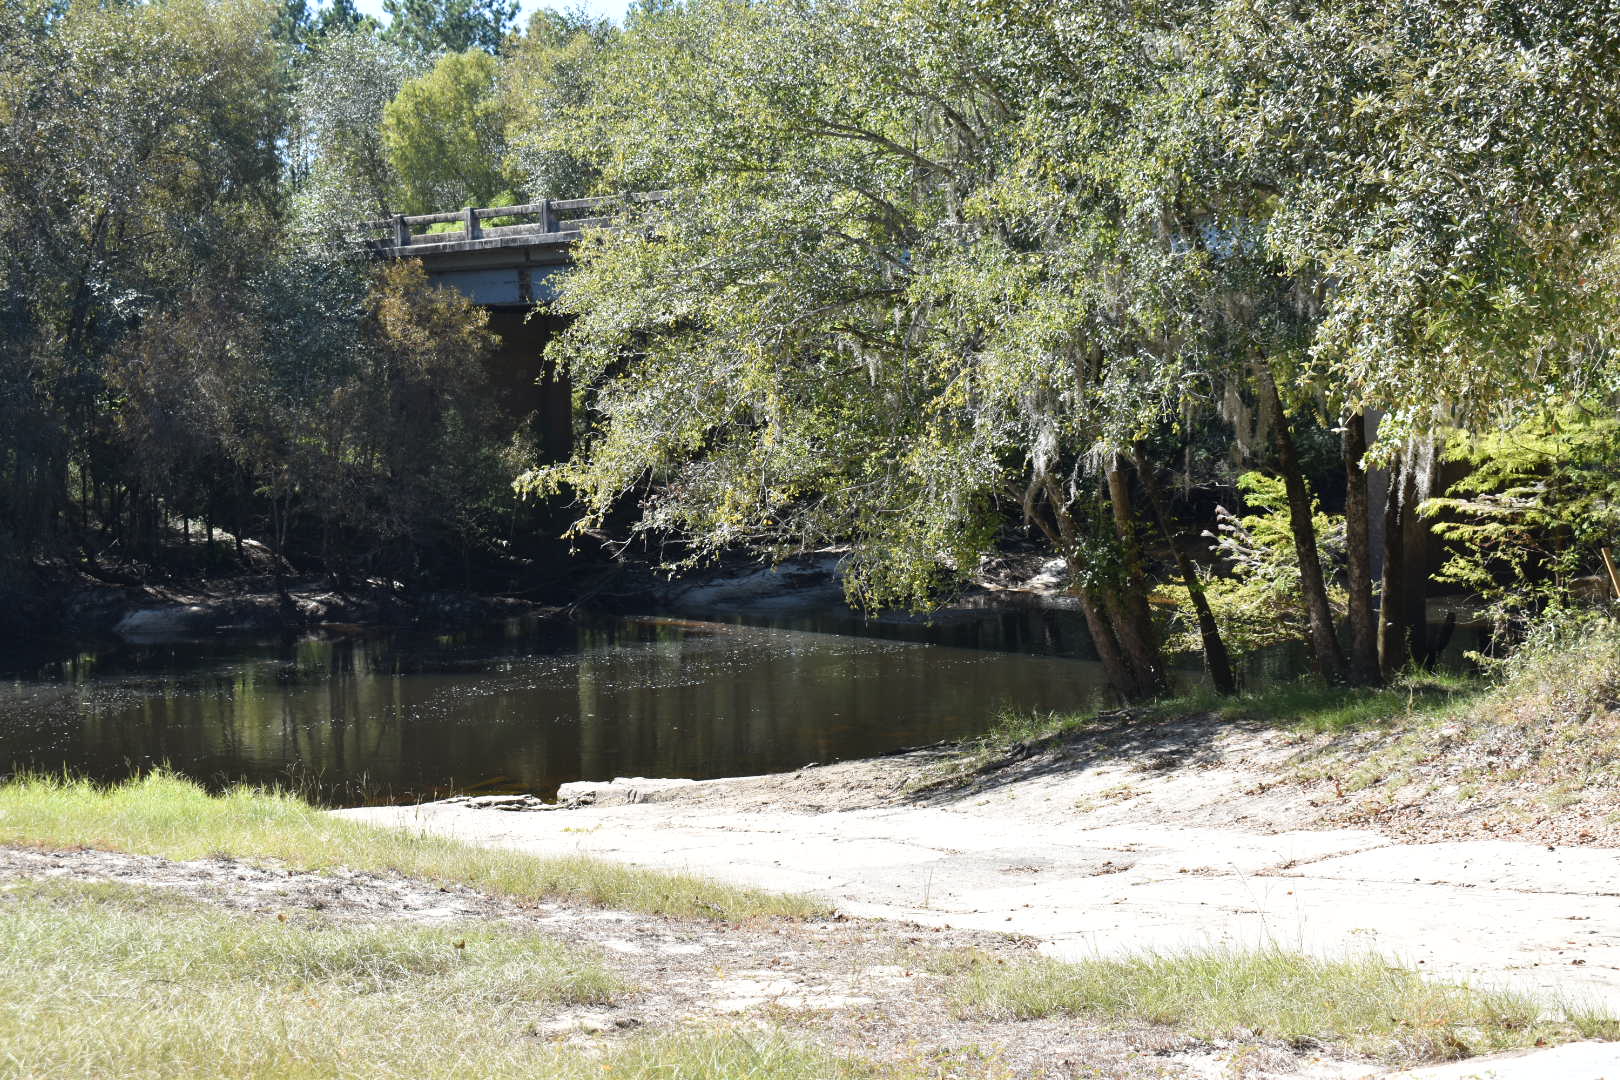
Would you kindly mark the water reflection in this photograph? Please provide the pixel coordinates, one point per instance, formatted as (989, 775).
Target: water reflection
(527, 705)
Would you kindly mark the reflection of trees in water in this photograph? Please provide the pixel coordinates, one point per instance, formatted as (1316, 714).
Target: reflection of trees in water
(619, 697)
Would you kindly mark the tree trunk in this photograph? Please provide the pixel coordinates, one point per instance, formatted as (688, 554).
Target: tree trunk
(1324, 642)
(1136, 630)
(1116, 669)
(1062, 532)
(1413, 592)
(1217, 661)
(238, 523)
(1394, 650)
(1358, 555)
(1140, 655)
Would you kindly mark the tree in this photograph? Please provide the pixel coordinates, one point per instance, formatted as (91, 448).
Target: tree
(1533, 524)
(430, 27)
(342, 17)
(138, 156)
(293, 22)
(445, 136)
(341, 170)
(364, 417)
(546, 79)
(1429, 173)
(870, 312)
(176, 347)
(302, 27)
(1258, 598)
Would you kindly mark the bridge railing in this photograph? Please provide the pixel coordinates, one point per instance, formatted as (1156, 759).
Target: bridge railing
(549, 217)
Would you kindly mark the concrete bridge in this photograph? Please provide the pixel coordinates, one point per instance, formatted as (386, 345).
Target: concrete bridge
(508, 259)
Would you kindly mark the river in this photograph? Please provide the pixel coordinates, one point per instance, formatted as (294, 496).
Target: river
(528, 704)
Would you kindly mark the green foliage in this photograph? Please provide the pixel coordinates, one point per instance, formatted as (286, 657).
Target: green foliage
(180, 337)
(1529, 524)
(341, 17)
(444, 134)
(379, 433)
(138, 158)
(1440, 164)
(302, 27)
(1256, 595)
(547, 75)
(866, 314)
(343, 172)
(429, 27)
(926, 266)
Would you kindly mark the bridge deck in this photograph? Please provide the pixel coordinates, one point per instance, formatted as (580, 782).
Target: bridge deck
(552, 223)
(513, 264)
(493, 239)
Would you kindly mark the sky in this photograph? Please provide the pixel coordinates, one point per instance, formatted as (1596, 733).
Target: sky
(613, 9)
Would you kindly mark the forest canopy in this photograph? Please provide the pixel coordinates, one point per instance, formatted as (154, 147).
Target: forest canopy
(926, 278)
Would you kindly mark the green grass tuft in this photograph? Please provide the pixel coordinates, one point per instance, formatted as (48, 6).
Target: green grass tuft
(1308, 705)
(163, 814)
(1364, 1005)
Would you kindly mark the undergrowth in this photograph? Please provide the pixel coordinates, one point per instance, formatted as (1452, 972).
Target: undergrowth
(1535, 735)
(1544, 739)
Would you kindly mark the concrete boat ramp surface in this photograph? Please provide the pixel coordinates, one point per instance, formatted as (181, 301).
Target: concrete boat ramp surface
(1034, 859)
(1491, 912)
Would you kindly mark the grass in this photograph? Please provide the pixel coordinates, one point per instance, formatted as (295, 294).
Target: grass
(163, 814)
(1304, 705)
(1557, 700)
(134, 982)
(1362, 1005)
(1543, 741)
(1309, 706)
(1540, 737)
(115, 980)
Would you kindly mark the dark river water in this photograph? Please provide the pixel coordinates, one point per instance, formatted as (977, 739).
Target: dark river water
(528, 704)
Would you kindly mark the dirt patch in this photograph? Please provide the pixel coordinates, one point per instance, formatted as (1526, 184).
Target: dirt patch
(1196, 771)
(1423, 785)
(1444, 781)
(855, 985)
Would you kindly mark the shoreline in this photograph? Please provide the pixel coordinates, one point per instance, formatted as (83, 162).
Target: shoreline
(1182, 837)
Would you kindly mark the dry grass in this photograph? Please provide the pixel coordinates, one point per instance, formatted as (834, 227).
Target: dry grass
(1364, 1006)
(1538, 751)
(1533, 751)
(110, 980)
(162, 814)
(136, 983)
(1302, 705)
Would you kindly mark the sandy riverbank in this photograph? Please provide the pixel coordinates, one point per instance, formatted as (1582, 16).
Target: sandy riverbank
(1179, 834)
